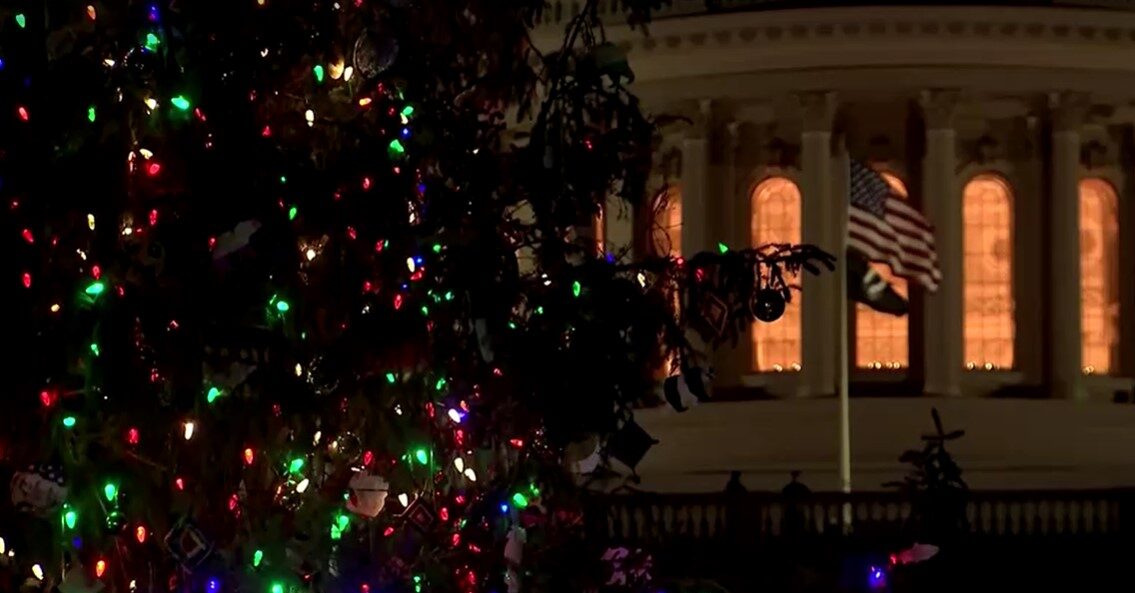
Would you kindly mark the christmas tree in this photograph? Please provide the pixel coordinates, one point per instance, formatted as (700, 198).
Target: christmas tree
(288, 312)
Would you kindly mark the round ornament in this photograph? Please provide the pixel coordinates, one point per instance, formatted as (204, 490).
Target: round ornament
(346, 447)
(40, 490)
(374, 53)
(321, 377)
(767, 305)
(367, 494)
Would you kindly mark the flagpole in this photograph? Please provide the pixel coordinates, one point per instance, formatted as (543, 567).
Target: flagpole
(842, 388)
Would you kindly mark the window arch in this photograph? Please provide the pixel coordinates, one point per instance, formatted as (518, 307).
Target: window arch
(989, 326)
(882, 341)
(776, 218)
(1099, 275)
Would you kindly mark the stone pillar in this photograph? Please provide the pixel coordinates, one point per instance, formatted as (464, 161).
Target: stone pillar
(695, 183)
(1064, 361)
(819, 299)
(734, 218)
(942, 203)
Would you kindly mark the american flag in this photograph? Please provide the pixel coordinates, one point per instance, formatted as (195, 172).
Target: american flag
(884, 228)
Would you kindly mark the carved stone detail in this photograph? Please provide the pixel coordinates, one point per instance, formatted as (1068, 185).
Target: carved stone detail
(939, 107)
(818, 110)
(1069, 110)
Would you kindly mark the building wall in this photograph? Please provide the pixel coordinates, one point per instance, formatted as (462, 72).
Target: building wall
(1043, 98)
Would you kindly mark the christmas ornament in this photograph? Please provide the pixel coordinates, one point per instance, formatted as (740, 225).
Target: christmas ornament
(915, 554)
(629, 444)
(714, 314)
(321, 377)
(346, 447)
(688, 388)
(374, 53)
(767, 305)
(187, 544)
(366, 494)
(40, 490)
(236, 239)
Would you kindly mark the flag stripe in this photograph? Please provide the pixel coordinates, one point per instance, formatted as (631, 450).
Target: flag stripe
(884, 228)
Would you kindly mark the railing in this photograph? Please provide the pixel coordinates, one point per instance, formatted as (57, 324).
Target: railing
(559, 12)
(744, 541)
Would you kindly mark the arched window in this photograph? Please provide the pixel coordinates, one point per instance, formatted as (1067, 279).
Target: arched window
(666, 235)
(776, 219)
(989, 329)
(1099, 275)
(600, 230)
(882, 340)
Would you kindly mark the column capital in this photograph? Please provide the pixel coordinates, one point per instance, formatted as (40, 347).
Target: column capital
(1069, 110)
(818, 110)
(701, 116)
(939, 107)
(733, 133)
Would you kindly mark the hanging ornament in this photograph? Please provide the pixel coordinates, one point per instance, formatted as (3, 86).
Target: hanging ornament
(714, 314)
(374, 53)
(767, 305)
(322, 379)
(40, 490)
(187, 544)
(235, 240)
(346, 447)
(421, 515)
(689, 388)
(367, 494)
(289, 492)
(629, 444)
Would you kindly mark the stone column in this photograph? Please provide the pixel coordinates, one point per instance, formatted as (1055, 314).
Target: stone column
(942, 204)
(1064, 361)
(733, 222)
(695, 182)
(819, 299)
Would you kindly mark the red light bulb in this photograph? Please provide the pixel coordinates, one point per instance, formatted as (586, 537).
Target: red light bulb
(100, 568)
(133, 437)
(153, 169)
(140, 534)
(27, 279)
(249, 456)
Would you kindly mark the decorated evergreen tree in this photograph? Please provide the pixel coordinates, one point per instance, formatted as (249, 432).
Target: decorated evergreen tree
(287, 312)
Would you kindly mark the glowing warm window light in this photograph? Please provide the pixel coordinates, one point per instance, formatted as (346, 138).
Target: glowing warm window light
(989, 329)
(666, 235)
(1099, 275)
(776, 218)
(666, 238)
(882, 340)
(600, 231)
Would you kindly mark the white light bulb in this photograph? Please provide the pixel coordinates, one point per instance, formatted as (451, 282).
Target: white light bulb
(310, 253)
(299, 370)
(37, 570)
(302, 486)
(404, 499)
(472, 475)
(348, 73)
(190, 428)
(459, 463)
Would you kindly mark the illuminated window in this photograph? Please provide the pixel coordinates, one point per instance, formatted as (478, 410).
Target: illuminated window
(881, 339)
(600, 231)
(776, 219)
(667, 232)
(987, 213)
(1099, 275)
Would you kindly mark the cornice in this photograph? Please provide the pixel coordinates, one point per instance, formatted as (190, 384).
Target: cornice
(851, 37)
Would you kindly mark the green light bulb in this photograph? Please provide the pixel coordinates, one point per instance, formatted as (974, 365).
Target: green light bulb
(396, 148)
(91, 114)
(213, 394)
(440, 384)
(722, 248)
(336, 533)
(282, 306)
(257, 558)
(408, 110)
(70, 518)
(296, 465)
(343, 521)
(22, 20)
(318, 69)
(110, 491)
(576, 289)
(69, 422)
(422, 456)
(520, 501)
(95, 288)
(152, 41)
(277, 587)
(292, 212)
(180, 102)
(390, 378)
(95, 349)
(437, 247)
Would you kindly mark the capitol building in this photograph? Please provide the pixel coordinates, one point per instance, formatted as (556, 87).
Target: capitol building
(1009, 125)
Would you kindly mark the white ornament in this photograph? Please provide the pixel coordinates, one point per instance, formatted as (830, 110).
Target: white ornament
(39, 490)
(367, 494)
